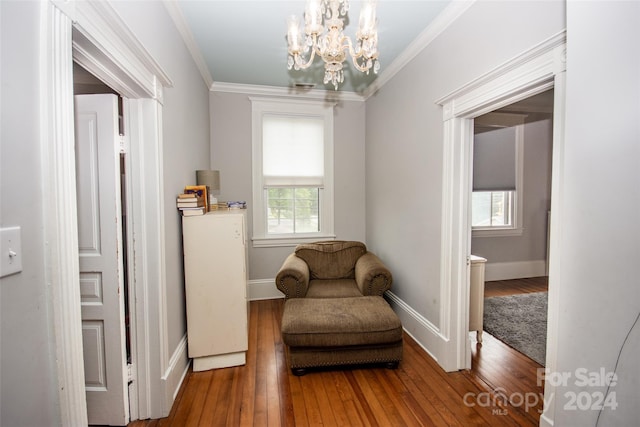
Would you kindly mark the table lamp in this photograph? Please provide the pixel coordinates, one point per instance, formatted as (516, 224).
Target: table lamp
(211, 179)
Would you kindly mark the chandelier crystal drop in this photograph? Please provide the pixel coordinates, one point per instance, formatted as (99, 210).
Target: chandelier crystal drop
(327, 40)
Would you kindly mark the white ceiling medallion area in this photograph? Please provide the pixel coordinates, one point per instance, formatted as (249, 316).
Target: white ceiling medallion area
(253, 77)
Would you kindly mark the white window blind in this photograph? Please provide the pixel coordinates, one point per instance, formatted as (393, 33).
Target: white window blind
(494, 160)
(293, 151)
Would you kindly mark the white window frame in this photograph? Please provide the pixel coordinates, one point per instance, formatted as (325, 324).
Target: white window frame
(292, 108)
(516, 229)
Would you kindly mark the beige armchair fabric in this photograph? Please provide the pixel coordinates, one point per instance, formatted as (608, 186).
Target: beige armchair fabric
(333, 269)
(334, 313)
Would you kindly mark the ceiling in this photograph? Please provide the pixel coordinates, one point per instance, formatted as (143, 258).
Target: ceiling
(540, 103)
(534, 108)
(244, 41)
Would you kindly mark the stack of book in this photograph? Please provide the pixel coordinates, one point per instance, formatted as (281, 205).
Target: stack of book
(191, 204)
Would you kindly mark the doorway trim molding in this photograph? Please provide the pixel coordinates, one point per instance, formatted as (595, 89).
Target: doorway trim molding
(94, 35)
(540, 68)
(62, 271)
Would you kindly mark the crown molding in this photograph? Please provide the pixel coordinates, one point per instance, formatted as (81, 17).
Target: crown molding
(327, 95)
(187, 36)
(424, 39)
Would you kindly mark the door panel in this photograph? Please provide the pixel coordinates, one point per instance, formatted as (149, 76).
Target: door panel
(101, 264)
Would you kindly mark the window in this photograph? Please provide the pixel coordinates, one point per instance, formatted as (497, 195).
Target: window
(292, 172)
(496, 202)
(492, 209)
(293, 210)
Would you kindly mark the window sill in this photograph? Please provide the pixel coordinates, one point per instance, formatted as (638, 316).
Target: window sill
(496, 232)
(284, 241)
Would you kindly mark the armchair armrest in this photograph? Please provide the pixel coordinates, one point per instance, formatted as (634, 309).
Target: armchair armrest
(293, 277)
(372, 276)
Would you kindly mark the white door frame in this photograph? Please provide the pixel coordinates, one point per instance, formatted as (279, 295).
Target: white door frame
(536, 70)
(92, 34)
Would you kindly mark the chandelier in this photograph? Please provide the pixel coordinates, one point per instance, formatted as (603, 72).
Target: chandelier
(329, 42)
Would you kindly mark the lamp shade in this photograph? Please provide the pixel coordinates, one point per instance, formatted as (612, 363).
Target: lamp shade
(209, 178)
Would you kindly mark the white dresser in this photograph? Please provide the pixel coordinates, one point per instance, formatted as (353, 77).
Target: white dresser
(215, 264)
(476, 295)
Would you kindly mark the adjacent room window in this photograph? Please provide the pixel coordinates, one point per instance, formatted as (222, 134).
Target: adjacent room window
(493, 209)
(292, 171)
(496, 201)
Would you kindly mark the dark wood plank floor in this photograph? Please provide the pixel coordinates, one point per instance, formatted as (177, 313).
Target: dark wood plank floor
(418, 393)
(516, 286)
(511, 375)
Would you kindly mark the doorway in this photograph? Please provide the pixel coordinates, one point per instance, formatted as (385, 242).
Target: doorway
(103, 242)
(92, 34)
(510, 206)
(536, 70)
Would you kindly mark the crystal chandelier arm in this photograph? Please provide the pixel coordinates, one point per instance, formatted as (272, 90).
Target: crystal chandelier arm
(300, 62)
(354, 55)
(367, 61)
(367, 39)
(367, 64)
(363, 68)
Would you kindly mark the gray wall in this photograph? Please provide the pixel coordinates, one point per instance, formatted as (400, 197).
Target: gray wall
(231, 154)
(599, 294)
(407, 144)
(532, 244)
(185, 137)
(28, 375)
(29, 395)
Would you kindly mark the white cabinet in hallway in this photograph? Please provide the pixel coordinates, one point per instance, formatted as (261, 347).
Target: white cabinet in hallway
(215, 264)
(476, 295)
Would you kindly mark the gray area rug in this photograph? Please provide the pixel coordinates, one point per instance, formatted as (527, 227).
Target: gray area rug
(519, 321)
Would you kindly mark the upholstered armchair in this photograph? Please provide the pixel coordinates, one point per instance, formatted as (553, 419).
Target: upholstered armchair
(333, 269)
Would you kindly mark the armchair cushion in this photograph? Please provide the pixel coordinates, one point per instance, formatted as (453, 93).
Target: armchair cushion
(331, 260)
(337, 288)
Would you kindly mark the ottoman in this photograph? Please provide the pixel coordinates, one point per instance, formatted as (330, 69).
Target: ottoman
(322, 332)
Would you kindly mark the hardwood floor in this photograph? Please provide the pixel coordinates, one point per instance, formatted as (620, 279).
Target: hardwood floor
(516, 286)
(418, 393)
(510, 374)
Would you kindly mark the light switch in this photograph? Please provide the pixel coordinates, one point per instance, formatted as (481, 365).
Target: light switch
(10, 251)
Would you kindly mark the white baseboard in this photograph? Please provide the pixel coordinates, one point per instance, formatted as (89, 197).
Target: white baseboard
(175, 374)
(514, 270)
(423, 332)
(263, 289)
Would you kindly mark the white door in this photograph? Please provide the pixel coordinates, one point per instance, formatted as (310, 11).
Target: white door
(101, 264)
